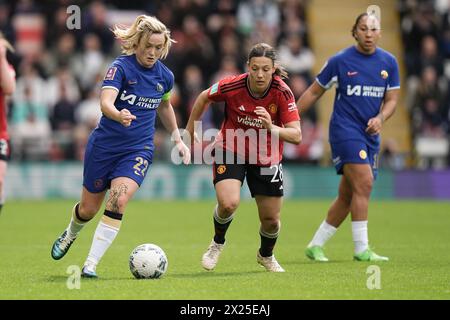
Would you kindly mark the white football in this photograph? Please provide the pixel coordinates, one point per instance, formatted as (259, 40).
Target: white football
(148, 261)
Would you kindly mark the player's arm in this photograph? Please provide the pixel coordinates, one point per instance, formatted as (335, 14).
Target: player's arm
(387, 110)
(310, 96)
(107, 98)
(291, 132)
(199, 107)
(7, 79)
(168, 119)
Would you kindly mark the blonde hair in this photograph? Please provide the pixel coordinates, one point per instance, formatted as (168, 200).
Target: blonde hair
(142, 26)
(6, 42)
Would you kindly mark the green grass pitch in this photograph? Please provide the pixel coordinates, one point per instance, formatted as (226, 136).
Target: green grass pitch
(414, 234)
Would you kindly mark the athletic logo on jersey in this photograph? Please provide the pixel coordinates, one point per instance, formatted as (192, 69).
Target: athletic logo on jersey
(131, 98)
(110, 73)
(356, 90)
(214, 88)
(384, 74)
(159, 87)
(221, 169)
(365, 91)
(242, 108)
(352, 73)
(131, 82)
(273, 108)
(363, 154)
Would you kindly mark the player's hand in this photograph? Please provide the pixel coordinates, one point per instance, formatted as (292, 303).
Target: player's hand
(264, 116)
(125, 117)
(184, 152)
(374, 125)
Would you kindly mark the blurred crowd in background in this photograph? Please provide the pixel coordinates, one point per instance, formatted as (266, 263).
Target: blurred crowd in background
(59, 71)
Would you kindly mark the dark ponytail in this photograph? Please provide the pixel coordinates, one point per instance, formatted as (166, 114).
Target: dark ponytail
(265, 50)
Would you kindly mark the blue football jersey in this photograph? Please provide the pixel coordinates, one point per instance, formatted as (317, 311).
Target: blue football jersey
(140, 90)
(361, 84)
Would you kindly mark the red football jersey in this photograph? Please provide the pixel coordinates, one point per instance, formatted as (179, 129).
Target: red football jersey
(3, 121)
(253, 141)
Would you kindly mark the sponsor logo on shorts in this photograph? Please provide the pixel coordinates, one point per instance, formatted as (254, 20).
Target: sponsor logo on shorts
(221, 169)
(363, 154)
(336, 160)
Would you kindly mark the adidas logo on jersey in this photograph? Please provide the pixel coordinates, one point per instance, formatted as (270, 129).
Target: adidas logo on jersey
(242, 108)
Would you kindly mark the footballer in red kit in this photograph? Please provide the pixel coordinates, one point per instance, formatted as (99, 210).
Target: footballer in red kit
(7, 87)
(278, 101)
(260, 114)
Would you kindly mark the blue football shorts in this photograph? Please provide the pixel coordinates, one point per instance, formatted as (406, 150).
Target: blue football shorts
(102, 165)
(354, 151)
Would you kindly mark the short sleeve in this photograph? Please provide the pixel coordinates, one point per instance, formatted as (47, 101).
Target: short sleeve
(329, 74)
(394, 78)
(214, 92)
(288, 107)
(114, 77)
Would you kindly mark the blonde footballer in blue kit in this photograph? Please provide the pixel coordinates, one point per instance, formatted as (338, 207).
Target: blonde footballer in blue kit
(367, 89)
(120, 150)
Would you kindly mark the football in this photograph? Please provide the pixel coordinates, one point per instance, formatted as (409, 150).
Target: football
(148, 261)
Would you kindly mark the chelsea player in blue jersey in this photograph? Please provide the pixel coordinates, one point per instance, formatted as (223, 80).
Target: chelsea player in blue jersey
(367, 90)
(120, 150)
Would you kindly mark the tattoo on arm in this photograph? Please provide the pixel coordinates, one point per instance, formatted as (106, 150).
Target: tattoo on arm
(114, 194)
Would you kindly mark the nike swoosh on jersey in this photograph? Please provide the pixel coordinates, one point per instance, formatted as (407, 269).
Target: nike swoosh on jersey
(352, 73)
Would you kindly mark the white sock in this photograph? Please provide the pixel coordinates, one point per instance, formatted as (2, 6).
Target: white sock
(103, 237)
(360, 236)
(323, 234)
(75, 225)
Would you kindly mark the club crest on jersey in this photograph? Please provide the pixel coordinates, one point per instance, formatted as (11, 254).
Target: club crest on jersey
(159, 87)
(273, 108)
(384, 74)
(110, 73)
(221, 169)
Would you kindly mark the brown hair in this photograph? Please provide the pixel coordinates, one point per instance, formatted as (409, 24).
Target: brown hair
(265, 50)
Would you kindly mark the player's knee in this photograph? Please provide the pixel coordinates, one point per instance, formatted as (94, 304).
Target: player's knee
(229, 206)
(271, 224)
(121, 203)
(364, 186)
(87, 211)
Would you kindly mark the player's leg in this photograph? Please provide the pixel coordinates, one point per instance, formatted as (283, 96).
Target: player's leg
(337, 213)
(3, 167)
(228, 180)
(4, 157)
(82, 213)
(121, 191)
(266, 186)
(269, 208)
(361, 179)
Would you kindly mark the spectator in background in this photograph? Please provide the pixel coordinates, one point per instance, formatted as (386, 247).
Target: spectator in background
(62, 79)
(31, 131)
(296, 58)
(61, 54)
(429, 111)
